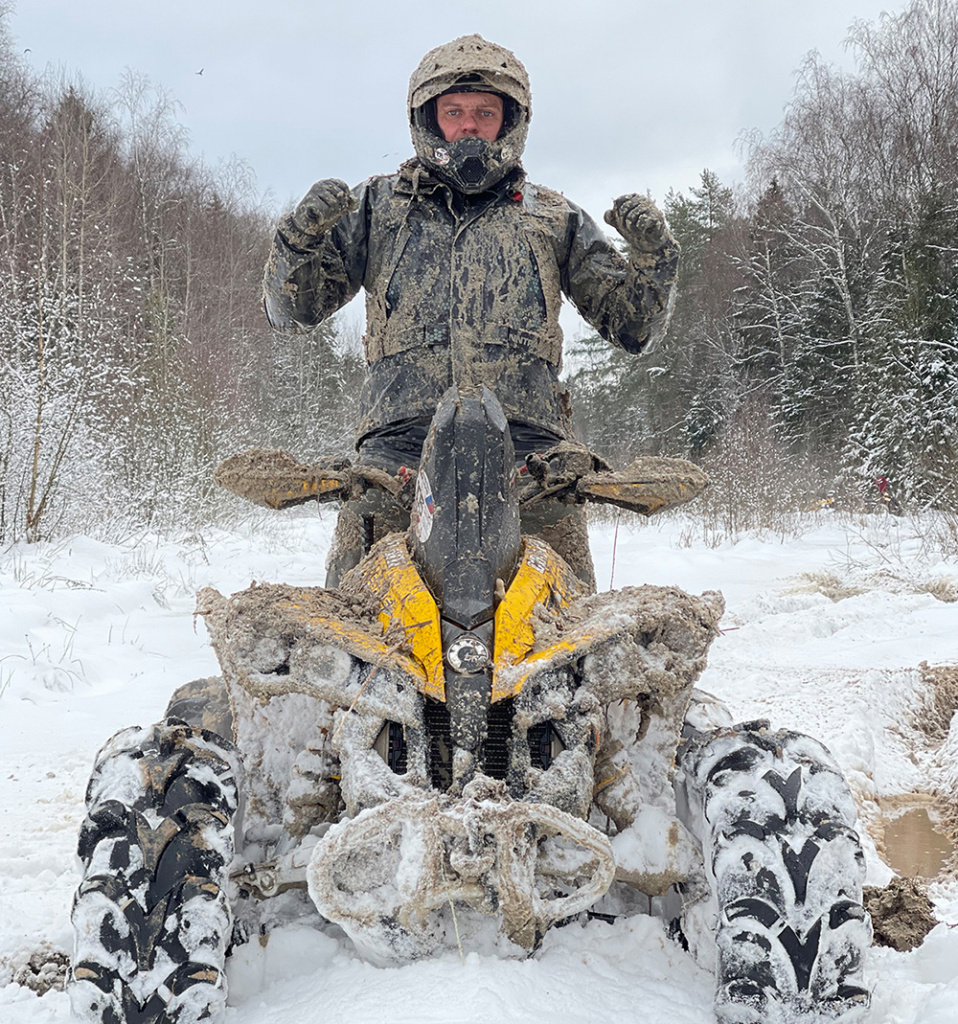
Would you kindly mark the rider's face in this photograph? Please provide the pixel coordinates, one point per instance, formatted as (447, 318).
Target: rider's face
(461, 114)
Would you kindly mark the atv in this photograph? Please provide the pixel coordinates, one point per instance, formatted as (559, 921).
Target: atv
(462, 744)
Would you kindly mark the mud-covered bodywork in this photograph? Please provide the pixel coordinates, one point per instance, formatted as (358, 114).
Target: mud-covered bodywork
(460, 707)
(341, 722)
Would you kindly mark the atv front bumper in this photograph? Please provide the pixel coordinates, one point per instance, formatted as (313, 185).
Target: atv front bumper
(391, 875)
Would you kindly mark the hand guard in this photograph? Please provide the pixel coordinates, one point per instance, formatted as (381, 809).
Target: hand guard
(322, 206)
(640, 222)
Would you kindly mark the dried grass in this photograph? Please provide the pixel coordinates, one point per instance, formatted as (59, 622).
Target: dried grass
(943, 588)
(828, 584)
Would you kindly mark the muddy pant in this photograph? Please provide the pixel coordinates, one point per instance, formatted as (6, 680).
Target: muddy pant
(362, 523)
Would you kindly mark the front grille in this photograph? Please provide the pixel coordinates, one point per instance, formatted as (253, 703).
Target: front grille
(440, 744)
(540, 745)
(495, 754)
(496, 751)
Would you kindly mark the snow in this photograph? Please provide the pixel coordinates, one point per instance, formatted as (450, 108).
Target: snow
(824, 633)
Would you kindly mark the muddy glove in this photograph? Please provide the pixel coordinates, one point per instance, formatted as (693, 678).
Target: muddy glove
(322, 206)
(640, 222)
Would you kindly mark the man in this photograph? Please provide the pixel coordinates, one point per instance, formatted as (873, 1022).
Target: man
(464, 263)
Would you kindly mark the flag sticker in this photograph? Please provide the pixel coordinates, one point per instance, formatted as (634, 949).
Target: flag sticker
(424, 507)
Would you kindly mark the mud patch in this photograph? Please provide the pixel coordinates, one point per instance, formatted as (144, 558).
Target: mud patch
(941, 683)
(40, 971)
(914, 846)
(901, 912)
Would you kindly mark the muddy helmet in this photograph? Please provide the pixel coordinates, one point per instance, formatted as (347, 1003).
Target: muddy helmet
(470, 64)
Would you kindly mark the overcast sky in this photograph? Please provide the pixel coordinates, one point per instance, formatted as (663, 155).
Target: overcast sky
(628, 95)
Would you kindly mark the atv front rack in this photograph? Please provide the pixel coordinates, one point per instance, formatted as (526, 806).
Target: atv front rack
(527, 864)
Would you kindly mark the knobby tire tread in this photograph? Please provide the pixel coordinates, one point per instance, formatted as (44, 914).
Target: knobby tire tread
(151, 915)
(786, 868)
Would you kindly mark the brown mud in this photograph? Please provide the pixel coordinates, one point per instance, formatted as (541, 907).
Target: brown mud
(274, 479)
(915, 846)
(935, 720)
(41, 971)
(901, 912)
(941, 682)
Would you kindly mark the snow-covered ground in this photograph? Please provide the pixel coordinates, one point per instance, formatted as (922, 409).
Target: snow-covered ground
(823, 633)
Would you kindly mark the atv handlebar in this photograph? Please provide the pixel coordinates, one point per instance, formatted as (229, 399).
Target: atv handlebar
(568, 473)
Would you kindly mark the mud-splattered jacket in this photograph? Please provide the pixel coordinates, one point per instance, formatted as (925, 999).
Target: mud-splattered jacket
(466, 290)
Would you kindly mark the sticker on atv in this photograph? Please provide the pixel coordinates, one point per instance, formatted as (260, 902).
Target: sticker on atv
(424, 507)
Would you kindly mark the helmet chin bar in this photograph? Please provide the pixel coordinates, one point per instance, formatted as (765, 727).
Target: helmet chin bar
(469, 165)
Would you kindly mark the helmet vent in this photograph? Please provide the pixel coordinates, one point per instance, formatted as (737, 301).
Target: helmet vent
(472, 171)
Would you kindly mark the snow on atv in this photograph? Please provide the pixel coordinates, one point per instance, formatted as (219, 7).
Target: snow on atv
(461, 745)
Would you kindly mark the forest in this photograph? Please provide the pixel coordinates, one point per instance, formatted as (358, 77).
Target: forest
(813, 349)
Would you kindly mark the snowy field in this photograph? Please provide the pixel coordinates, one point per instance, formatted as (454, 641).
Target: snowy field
(823, 633)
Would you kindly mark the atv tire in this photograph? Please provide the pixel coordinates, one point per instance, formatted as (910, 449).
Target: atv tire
(203, 703)
(785, 869)
(151, 916)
